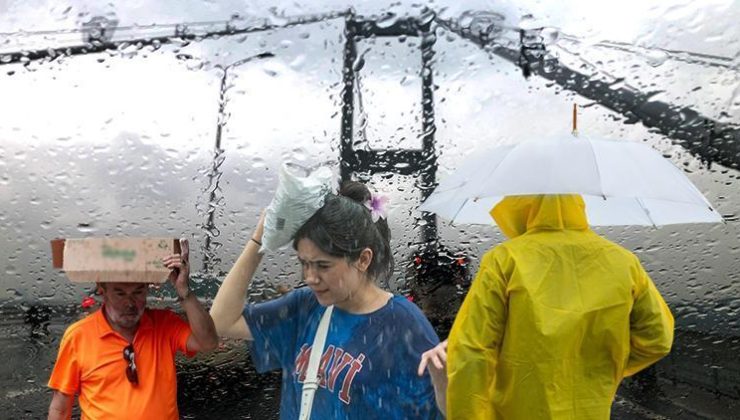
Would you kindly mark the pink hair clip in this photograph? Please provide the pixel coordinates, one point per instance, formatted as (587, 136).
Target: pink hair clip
(377, 205)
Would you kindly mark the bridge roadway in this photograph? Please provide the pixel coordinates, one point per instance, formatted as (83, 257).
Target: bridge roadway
(699, 380)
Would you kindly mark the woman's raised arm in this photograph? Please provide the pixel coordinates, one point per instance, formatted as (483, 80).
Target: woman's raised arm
(228, 305)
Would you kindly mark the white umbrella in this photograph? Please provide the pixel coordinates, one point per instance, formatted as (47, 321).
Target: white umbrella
(622, 183)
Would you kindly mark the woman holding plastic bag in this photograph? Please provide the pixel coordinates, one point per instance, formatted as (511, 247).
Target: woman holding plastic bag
(373, 340)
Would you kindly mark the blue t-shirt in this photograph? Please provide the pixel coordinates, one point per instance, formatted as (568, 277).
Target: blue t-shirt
(368, 366)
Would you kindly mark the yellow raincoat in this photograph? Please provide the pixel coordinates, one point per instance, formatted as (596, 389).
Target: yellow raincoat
(554, 320)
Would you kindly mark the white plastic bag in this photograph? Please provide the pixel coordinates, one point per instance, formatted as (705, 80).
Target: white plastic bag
(300, 193)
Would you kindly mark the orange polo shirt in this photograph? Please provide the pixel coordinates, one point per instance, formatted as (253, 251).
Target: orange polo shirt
(90, 363)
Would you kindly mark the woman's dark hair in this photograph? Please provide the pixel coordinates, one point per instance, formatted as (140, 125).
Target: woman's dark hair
(343, 227)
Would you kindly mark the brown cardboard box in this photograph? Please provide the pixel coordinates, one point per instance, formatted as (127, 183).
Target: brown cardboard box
(135, 260)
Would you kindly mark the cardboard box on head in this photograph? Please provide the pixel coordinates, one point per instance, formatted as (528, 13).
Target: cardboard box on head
(131, 260)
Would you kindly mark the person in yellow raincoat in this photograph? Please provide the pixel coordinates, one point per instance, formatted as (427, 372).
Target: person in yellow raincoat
(554, 319)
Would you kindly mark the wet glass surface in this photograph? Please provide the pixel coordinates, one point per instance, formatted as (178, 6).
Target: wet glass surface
(183, 137)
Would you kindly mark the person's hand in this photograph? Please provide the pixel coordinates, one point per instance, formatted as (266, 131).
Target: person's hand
(180, 266)
(435, 359)
(257, 235)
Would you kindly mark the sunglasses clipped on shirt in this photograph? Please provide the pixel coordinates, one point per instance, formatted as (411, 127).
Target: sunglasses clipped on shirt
(128, 355)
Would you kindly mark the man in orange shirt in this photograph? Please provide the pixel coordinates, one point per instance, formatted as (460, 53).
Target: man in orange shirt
(120, 360)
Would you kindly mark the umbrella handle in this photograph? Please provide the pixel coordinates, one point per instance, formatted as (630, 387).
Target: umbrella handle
(575, 120)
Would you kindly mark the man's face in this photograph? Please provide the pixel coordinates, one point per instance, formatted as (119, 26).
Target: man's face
(124, 303)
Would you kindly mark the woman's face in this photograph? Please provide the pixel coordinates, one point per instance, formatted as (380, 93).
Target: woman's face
(334, 280)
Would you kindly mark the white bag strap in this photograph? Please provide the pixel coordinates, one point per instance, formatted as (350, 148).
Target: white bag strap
(311, 383)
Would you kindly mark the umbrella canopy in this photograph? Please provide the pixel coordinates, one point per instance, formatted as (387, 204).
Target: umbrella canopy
(622, 183)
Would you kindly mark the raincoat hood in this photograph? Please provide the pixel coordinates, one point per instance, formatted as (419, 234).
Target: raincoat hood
(515, 215)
